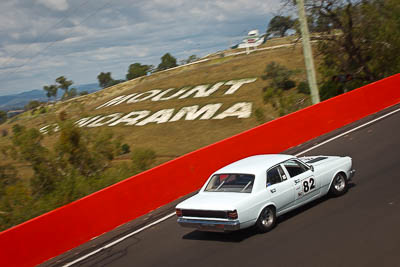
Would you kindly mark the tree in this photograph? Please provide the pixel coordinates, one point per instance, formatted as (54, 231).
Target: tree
(167, 62)
(51, 91)
(3, 116)
(279, 25)
(15, 205)
(64, 84)
(366, 43)
(8, 176)
(105, 79)
(190, 59)
(86, 154)
(72, 93)
(76, 153)
(303, 88)
(83, 93)
(137, 70)
(279, 76)
(32, 105)
(28, 147)
(77, 164)
(316, 24)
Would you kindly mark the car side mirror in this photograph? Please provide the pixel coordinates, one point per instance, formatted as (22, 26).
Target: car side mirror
(312, 168)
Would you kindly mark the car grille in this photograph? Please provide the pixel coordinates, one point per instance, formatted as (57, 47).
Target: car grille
(205, 213)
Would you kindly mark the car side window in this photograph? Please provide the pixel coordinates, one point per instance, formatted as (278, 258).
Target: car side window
(294, 167)
(275, 175)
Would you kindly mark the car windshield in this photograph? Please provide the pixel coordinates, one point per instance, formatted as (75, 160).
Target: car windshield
(231, 182)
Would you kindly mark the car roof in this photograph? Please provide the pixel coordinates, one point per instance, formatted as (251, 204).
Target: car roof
(254, 164)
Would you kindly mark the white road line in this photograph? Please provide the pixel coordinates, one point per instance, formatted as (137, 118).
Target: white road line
(119, 240)
(349, 131)
(172, 214)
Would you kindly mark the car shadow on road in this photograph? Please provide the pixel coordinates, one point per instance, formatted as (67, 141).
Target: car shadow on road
(240, 235)
(308, 206)
(233, 237)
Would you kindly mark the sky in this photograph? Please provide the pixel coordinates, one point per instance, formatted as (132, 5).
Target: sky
(41, 40)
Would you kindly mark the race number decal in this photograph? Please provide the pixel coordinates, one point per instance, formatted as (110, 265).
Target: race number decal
(308, 185)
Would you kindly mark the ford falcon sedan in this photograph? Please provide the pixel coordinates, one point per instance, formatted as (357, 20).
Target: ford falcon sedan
(255, 190)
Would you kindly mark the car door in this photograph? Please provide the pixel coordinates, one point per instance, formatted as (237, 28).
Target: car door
(306, 186)
(281, 189)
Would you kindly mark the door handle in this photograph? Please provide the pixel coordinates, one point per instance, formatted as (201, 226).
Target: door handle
(297, 181)
(273, 190)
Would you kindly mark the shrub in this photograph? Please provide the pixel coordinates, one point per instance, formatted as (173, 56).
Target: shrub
(303, 88)
(3, 116)
(16, 128)
(330, 89)
(78, 164)
(279, 75)
(63, 115)
(4, 132)
(288, 84)
(268, 94)
(125, 149)
(259, 114)
(142, 159)
(287, 104)
(32, 105)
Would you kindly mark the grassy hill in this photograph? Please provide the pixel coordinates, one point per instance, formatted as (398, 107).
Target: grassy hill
(167, 136)
(172, 139)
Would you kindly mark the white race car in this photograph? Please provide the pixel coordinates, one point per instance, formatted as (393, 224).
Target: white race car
(257, 189)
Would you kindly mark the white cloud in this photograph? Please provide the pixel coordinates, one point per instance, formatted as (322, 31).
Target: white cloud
(59, 5)
(89, 37)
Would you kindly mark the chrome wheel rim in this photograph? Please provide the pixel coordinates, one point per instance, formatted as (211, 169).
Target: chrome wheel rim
(267, 218)
(340, 183)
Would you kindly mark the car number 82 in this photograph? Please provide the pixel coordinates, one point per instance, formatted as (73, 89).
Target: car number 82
(308, 185)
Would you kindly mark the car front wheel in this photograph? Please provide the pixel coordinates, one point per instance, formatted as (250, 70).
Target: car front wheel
(267, 220)
(339, 185)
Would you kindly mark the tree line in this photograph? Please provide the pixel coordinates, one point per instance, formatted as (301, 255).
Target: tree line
(105, 79)
(137, 70)
(77, 164)
(358, 40)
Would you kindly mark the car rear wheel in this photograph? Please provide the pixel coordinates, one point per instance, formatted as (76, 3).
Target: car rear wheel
(339, 185)
(267, 220)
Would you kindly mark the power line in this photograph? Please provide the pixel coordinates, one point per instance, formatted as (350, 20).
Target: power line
(54, 42)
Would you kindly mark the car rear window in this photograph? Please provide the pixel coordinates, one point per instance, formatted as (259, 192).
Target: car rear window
(231, 182)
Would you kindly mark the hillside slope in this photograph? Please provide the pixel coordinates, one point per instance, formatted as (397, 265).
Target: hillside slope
(196, 125)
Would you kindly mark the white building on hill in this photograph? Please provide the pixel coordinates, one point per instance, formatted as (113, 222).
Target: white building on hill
(253, 39)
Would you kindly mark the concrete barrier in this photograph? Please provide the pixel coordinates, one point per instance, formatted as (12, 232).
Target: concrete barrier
(55, 232)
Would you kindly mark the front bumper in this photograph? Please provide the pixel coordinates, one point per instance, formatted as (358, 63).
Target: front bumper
(210, 225)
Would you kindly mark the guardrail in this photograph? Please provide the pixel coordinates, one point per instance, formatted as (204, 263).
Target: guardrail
(55, 232)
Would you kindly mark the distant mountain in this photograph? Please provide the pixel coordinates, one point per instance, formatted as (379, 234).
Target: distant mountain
(18, 101)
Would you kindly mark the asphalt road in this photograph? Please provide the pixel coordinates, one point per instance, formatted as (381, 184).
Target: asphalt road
(361, 228)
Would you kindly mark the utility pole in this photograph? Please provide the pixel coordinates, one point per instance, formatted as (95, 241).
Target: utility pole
(308, 58)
